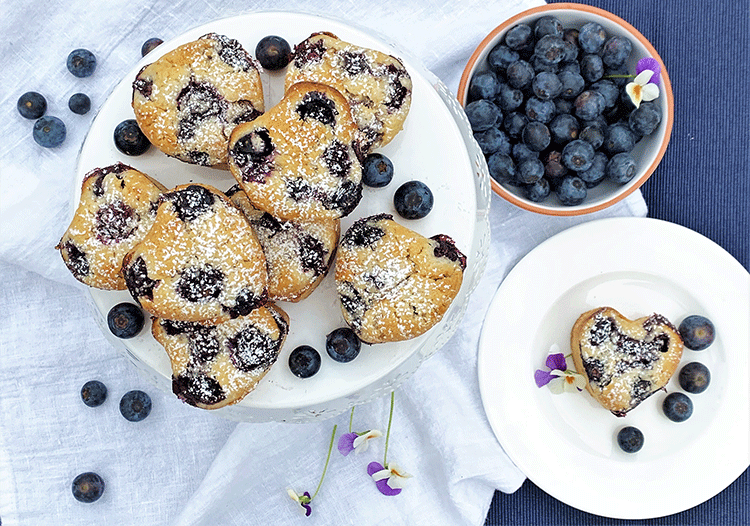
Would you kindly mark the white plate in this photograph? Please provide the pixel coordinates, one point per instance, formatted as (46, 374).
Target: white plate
(435, 146)
(566, 444)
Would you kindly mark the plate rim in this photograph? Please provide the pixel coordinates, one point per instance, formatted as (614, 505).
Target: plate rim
(531, 468)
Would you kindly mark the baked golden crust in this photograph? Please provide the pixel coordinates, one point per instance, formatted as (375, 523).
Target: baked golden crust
(624, 361)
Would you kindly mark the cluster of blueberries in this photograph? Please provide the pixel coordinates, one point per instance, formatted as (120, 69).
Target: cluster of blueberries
(551, 113)
(697, 333)
(49, 131)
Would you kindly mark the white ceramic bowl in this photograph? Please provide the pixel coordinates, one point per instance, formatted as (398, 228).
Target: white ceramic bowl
(435, 146)
(648, 151)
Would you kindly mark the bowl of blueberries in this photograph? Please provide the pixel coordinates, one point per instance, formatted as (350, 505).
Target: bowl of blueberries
(571, 106)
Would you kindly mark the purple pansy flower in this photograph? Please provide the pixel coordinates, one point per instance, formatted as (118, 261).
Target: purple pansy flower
(559, 378)
(303, 500)
(356, 441)
(651, 64)
(389, 480)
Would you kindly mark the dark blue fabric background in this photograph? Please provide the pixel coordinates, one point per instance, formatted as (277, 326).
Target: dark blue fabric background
(702, 183)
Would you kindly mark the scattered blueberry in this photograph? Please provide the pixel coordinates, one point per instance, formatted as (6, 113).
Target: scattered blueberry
(88, 487)
(413, 200)
(125, 320)
(697, 332)
(377, 170)
(129, 138)
(694, 377)
(343, 345)
(630, 439)
(32, 105)
(304, 361)
(135, 405)
(677, 407)
(79, 103)
(49, 131)
(93, 393)
(273, 53)
(150, 44)
(81, 63)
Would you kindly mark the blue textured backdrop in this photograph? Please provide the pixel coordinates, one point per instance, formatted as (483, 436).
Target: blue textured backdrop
(702, 183)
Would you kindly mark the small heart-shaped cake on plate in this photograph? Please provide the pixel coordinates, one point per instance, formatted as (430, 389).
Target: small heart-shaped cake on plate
(624, 361)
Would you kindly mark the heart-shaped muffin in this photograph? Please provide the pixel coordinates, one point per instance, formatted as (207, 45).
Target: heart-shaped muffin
(624, 361)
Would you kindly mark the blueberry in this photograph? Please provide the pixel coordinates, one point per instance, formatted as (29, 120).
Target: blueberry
(593, 134)
(482, 114)
(530, 171)
(129, 138)
(621, 168)
(513, 124)
(304, 361)
(500, 57)
(519, 36)
(31, 105)
(578, 155)
(377, 170)
(501, 167)
(546, 86)
(150, 44)
(507, 98)
(548, 25)
(589, 105)
(125, 320)
(591, 37)
(616, 51)
(536, 136)
(677, 407)
(597, 172)
(550, 49)
(538, 191)
(592, 68)
(609, 91)
(540, 66)
(493, 140)
(694, 377)
(483, 85)
(413, 200)
(630, 439)
(135, 405)
(79, 103)
(88, 487)
(93, 393)
(571, 191)
(697, 332)
(540, 110)
(520, 74)
(563, 129)
(645, 118)
(554, 169)
(343, 345)
(618, 138)
(520, 152)
(273, 53)
(49, 131)
(81, 63)
(572, 84)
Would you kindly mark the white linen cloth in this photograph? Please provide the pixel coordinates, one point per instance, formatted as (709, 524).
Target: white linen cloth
(182, 466)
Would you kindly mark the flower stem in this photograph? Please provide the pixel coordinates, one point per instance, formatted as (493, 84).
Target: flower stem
(325, 468)
(351, 418)
(388, 432)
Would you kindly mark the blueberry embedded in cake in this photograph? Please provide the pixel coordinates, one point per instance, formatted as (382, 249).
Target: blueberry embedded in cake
(376, 85)
(215, 365)
(298, 253)
(393, 283)
(298, 161)
(624, 361)
(189, 100)
(200, 261)
(116, 210)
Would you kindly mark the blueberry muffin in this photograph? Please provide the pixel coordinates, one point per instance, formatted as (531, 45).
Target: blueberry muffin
(298, 253)
(200, 261)
(377, 86)
(624, 361)
(395, 284)
(297, 160)
(188, 102)
(218, 365)
(117, 208)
